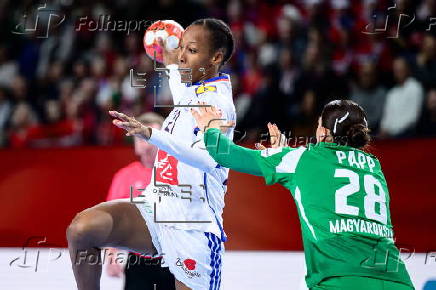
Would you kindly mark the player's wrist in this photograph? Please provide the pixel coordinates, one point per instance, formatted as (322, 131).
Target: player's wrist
(211, 130)
(170, 58)
(147, 132)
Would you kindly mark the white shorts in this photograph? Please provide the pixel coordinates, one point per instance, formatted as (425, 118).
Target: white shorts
(193, 257)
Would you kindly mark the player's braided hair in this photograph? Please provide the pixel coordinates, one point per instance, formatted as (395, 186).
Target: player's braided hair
(221, 36)
(347, 123)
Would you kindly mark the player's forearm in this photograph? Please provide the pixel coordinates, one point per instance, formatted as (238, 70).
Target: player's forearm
(175, 82)
(230, 155)
(195, 157)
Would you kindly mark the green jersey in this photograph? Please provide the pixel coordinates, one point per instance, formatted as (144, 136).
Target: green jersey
(342, 200)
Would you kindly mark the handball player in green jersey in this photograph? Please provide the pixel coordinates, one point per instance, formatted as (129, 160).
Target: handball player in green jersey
(341, 195)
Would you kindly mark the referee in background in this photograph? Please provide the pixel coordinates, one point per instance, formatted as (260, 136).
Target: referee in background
(141, 273)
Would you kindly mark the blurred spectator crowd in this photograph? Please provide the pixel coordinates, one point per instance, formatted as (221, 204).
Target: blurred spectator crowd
(291, 58)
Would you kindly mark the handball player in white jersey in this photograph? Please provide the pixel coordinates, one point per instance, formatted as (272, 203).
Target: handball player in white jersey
(179, 214)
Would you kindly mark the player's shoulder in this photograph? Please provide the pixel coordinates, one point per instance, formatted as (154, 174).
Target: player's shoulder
(219, 85)
(217, 92)
(284, 159)
(282, 151)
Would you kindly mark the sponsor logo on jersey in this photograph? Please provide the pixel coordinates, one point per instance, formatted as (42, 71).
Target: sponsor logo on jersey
(166, 168)
(202, 89)
(188, 266)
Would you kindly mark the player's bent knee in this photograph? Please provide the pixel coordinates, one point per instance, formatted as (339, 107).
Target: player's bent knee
(77, 233)
(88, 228)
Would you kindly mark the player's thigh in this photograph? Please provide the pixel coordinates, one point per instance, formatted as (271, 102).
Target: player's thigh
(181, 286)
(128, 227)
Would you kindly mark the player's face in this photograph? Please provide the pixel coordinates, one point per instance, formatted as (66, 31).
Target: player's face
(195, 53)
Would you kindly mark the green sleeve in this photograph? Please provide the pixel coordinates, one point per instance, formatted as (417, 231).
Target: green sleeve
(255, 162)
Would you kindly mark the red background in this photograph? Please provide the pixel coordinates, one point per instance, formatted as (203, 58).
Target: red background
(42, 190)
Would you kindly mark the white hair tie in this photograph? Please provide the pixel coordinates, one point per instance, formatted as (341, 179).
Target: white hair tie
(340, 121)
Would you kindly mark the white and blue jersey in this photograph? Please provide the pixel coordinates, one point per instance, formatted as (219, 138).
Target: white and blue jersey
(183, 204)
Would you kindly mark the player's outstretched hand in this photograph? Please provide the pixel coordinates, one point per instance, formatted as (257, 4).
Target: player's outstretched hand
(277, 139)
(210, 117)
(131, 125)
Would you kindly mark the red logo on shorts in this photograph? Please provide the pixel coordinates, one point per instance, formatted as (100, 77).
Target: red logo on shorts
(166, 168)
(189, 264)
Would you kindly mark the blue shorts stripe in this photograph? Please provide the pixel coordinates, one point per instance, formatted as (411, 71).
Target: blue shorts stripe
(211, 260)
(215, 247)
(219, 269)
(217, 243)
(220, 266)
(217, 262)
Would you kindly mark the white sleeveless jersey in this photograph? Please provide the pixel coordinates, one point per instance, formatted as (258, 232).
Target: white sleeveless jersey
(187, 187)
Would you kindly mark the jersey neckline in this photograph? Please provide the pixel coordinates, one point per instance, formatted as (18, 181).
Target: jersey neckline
(335, 145)
(221, 77)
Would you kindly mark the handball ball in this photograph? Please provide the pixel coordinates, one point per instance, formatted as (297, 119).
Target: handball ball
(170, 32)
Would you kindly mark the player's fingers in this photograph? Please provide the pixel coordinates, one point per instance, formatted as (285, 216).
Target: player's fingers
(216, 111)
(126, 118)
(279, 137)
(130, 119)
(202, 107)
(129, 124)
(259, 146)
(196, 116)
(161, 43)
(276, 137)
(282, 138)
(198, 109)
(119, 115)
(272, 134)
(276, 130)
(270, 129)
(134, 131)
(196, 113)
(213, 111)
(273, 130)
(118, 123)
(231, 123)
(206, 107)
(116, 114)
